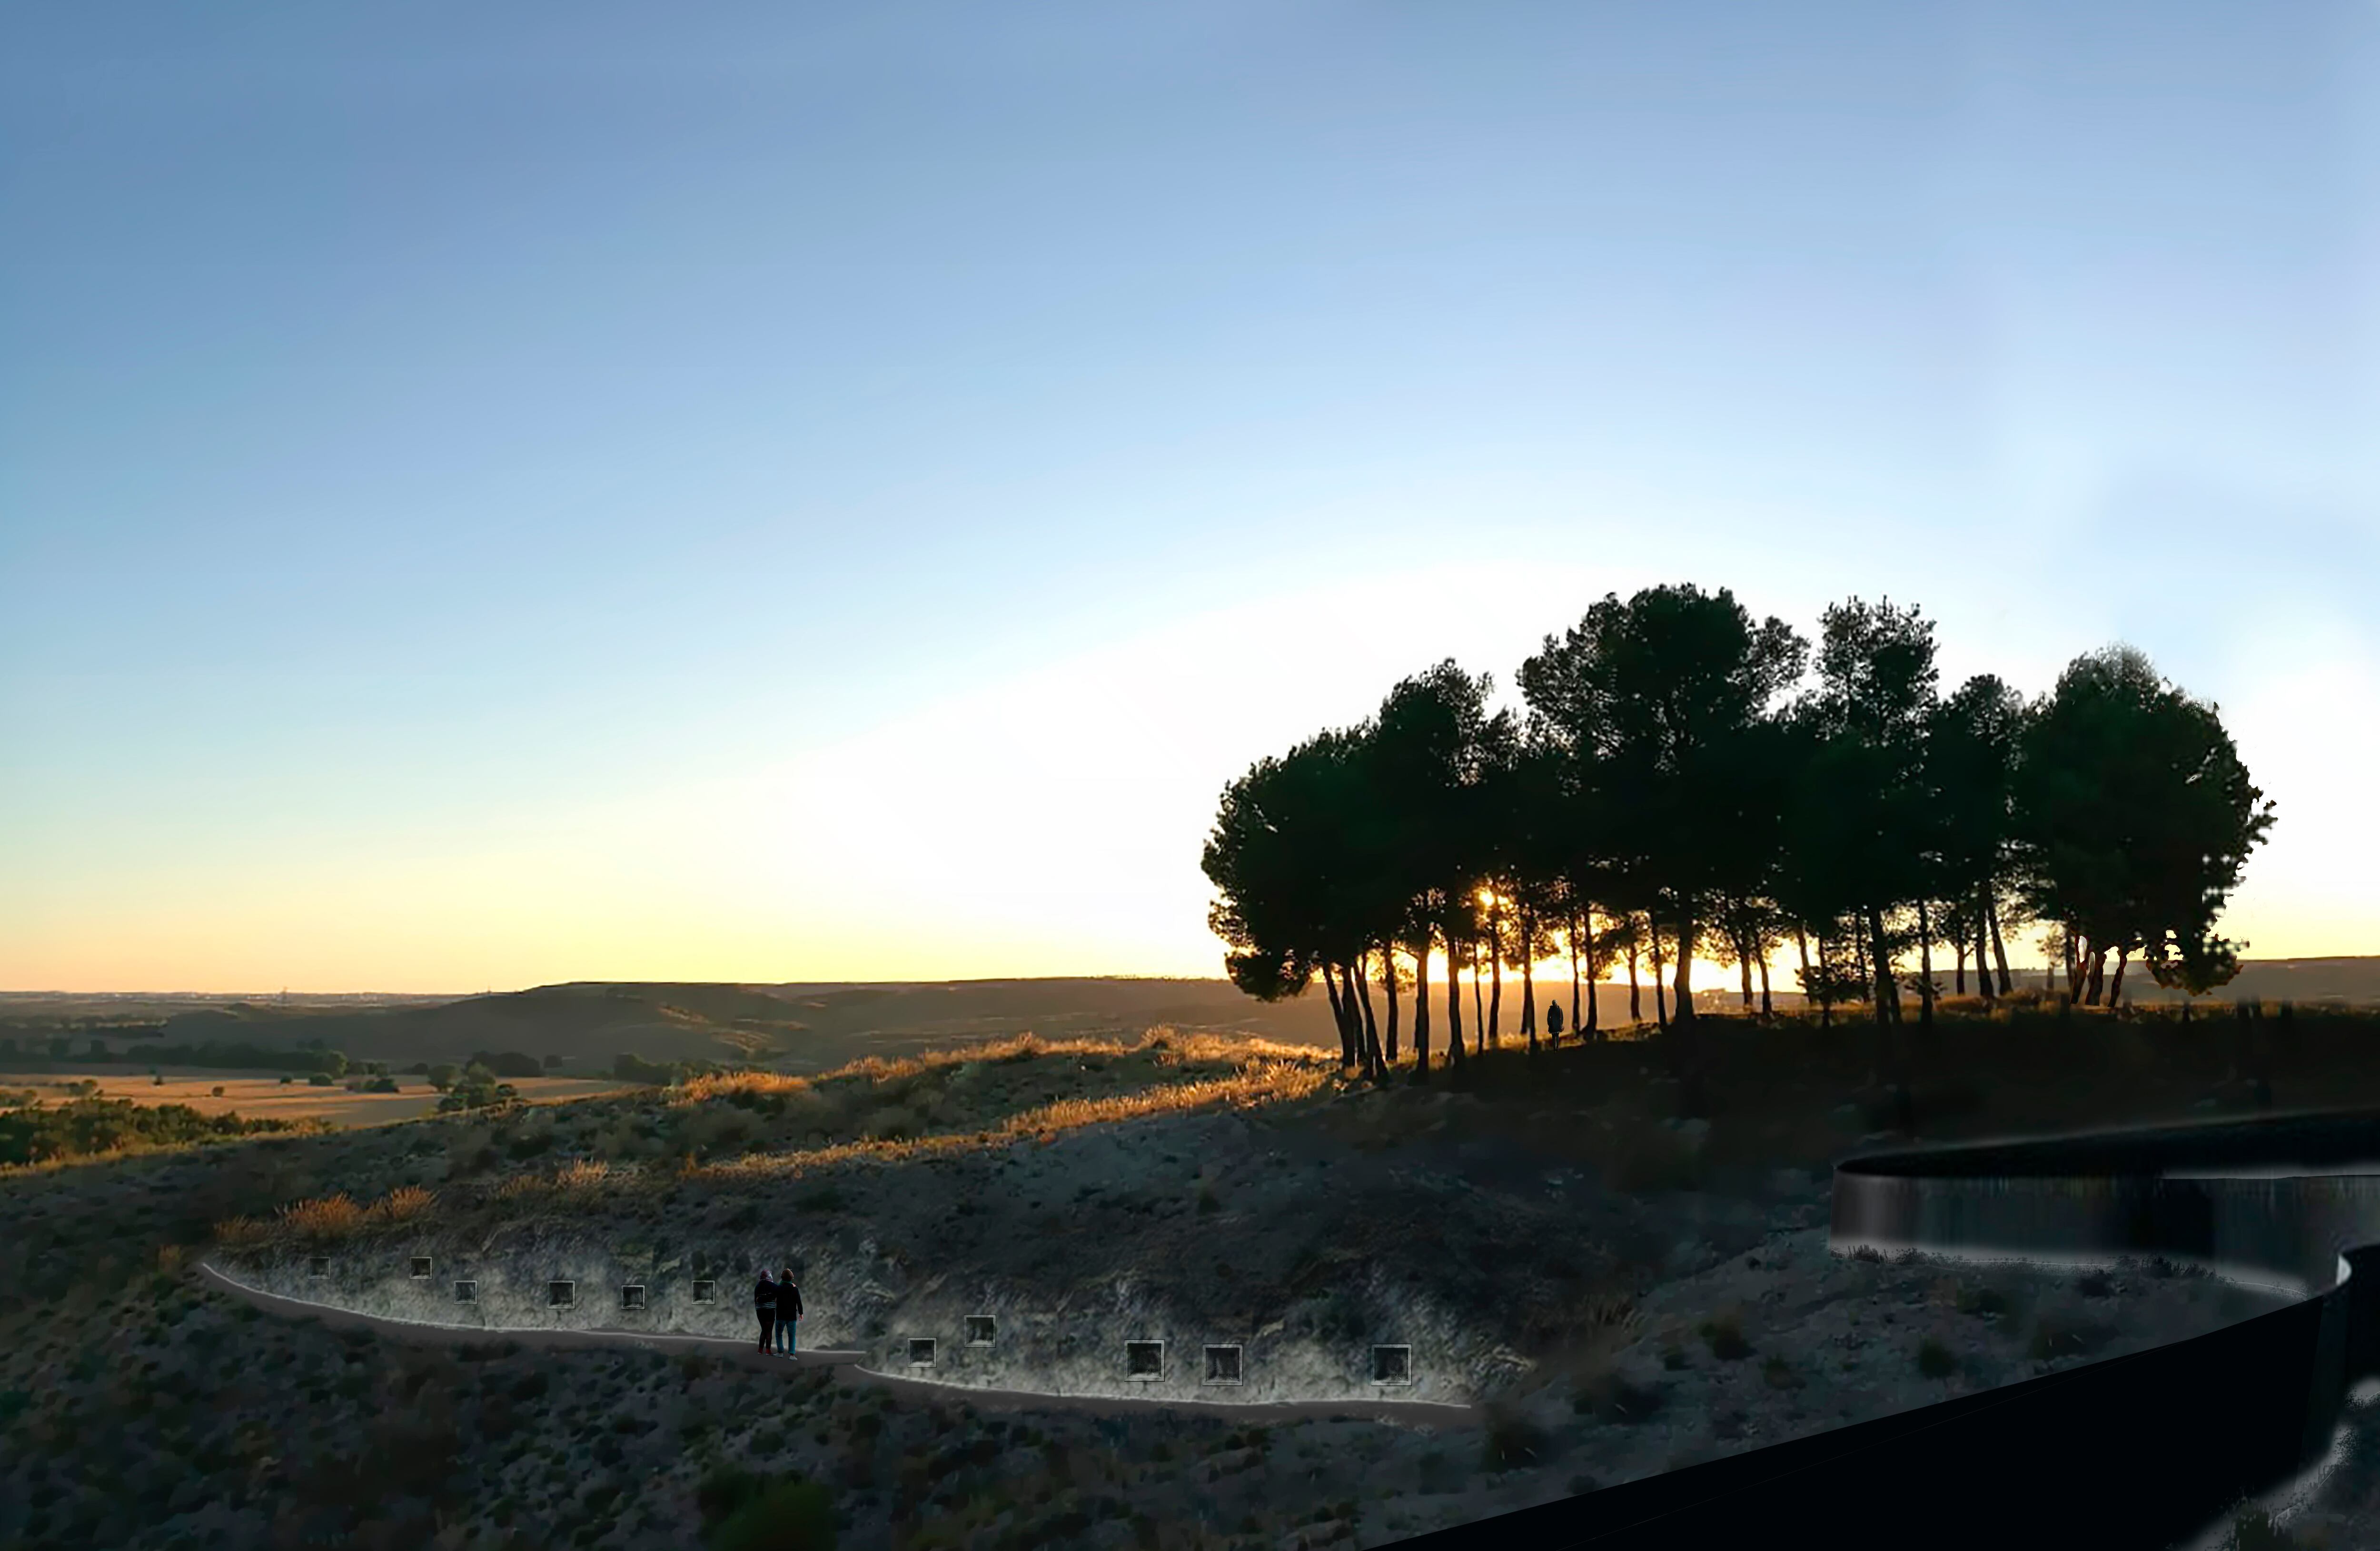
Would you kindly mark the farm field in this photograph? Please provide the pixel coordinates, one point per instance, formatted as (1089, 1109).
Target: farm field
(265, 1096)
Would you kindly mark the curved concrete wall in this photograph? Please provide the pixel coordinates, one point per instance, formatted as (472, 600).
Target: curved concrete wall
(1068, 1343)
(2136, 1451)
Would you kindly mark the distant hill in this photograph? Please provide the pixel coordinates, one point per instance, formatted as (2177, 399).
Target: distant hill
(2352, 980)
(811, 1025)
(796, 1027)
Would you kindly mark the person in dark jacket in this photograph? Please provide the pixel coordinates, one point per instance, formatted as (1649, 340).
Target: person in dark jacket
(764, 1303)
(789, 1309)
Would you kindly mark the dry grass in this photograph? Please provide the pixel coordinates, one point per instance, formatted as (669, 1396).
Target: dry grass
(1166, 1047)
(580, 1179)
(1271, 1081)
(327, 1217)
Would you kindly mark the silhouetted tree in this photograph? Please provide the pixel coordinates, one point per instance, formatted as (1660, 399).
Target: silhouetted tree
(1658, 803)
(1657, 697)
(2134, 816)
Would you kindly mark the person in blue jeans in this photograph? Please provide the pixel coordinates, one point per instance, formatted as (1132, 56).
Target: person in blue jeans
(789, 1309)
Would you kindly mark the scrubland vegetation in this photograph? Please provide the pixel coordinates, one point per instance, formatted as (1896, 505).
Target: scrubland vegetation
(1687, 1307)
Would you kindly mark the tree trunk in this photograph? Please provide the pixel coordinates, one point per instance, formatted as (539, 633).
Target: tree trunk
(1421, 1006)
(1338, 1015)
(1496, 989)
(1454, 1051)
(1959, 965)
(2000, 948)
(1577, 1030)
(1479, 1030)
(2098, 975)
(1888, 1000)
(1983, 942)
(1768, 1010)
(1389, 988)
(1925, 969)
(1660, 982)
(1825, 1008)
(2116, 986)
(1683, 1012)
(1363, 983)
(1743, 965)
(1529, 979)
(1636, 992)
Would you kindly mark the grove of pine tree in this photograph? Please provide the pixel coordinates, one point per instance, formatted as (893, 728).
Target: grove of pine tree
(1689, 782)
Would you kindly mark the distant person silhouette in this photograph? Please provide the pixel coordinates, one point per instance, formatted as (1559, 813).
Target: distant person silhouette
(789, 1309)
(764, 1303)
(1553, 1020)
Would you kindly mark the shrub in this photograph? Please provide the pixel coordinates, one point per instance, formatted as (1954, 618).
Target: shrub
(1985, 1303)
(1609, 1397)
(1511, 1441)
(407, 1202)
(1780, 1375)
(32, 1134)
(329, 1217)
(630, 1067)
(1934, 1359)
(744, 1511)
(1725, 1337)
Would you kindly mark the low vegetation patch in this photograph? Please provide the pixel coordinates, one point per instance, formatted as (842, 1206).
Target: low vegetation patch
(87, 1126)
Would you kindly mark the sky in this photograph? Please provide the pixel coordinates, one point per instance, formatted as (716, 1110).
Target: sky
(500, 495)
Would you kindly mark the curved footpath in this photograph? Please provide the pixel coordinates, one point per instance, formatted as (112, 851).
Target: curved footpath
(2146, 1450)
(844, 1365)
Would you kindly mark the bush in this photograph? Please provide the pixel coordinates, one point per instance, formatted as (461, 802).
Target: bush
(1934, 1359)
(1726, 1339)
(744, 1511)
(1609, 1397)
(321, 1079)
(88, 1125)
(508, 1064)
(630, 1067)
(1511, 1441)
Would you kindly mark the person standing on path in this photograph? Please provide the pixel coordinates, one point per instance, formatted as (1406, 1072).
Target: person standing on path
(764, 1303)
(789, 1309)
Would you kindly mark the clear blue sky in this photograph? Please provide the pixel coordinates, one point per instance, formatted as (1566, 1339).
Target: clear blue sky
(493, 494)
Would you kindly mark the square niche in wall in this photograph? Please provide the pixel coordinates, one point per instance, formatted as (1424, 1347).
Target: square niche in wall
(921, 1352)
(1223, 1365)
(1392, 1364)
(466, 1292)
(632, 1296)
(1144, 1359)
(421, 1267)
(981, 1328)
(706, 1293)
(561, 1295)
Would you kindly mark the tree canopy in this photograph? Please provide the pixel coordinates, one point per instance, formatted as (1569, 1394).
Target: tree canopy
(1680, 779)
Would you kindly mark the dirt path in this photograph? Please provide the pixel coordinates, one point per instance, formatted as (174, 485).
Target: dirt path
(846, 1364)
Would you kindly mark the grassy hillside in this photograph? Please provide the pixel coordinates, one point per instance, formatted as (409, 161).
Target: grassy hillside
(1687, 1309)
(588, 1026)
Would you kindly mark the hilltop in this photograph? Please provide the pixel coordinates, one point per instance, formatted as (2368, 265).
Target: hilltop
(586, 1025)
